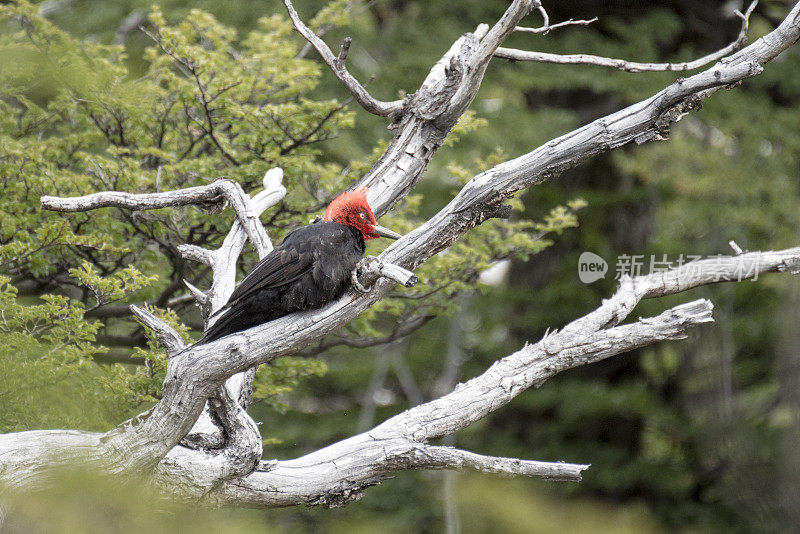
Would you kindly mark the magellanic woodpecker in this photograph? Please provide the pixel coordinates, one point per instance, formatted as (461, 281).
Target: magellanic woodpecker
(311, 268)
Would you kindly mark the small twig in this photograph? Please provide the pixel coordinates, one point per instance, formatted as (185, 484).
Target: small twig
(545, 16)
(395, 272)
(400, 331)
(546, 29)
(736, 248)
(344, 50)
(372, 268)
(199, 295)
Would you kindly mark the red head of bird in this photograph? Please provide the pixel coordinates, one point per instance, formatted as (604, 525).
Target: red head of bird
(351, 208)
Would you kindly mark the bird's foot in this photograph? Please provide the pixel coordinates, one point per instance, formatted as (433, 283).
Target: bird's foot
(365, 265)
(356, 284)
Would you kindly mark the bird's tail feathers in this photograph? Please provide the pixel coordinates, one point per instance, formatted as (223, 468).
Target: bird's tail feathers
(222, 309)
(222, 327)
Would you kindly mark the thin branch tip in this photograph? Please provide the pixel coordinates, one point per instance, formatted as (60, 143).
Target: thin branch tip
(345, 49)
(170, 339)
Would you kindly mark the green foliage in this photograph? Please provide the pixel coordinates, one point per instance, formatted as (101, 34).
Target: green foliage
(58, 321)
(282, 376)
(113, 288)
(336, 13)
(92, 503)
(47, 353)
(467, 123)
(73, 120)
(86, 502)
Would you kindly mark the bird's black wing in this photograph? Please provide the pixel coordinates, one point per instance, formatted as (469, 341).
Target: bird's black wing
(290, 261)
(279, 267)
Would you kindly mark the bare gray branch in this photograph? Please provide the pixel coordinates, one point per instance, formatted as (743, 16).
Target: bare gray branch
(337, 65)
(213, 193)
(621, 64)
(166, 335)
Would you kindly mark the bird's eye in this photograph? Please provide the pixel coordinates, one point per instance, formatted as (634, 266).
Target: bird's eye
(363, 215)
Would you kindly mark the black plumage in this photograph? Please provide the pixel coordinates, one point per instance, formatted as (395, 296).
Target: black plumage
(309, 269)
(312, 267)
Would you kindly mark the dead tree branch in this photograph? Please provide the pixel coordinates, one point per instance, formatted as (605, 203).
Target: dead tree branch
(621, 64)
(213, 193)
(337, 65)
(546, 29)
(165, 334)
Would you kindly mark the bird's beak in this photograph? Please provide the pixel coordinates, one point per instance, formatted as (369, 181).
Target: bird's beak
(385, 232)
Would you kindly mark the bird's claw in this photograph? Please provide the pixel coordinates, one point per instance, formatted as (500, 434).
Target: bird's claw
(356, 284)
(363, 265)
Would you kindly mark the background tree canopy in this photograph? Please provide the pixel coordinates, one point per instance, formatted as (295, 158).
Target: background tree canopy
(697, 435)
